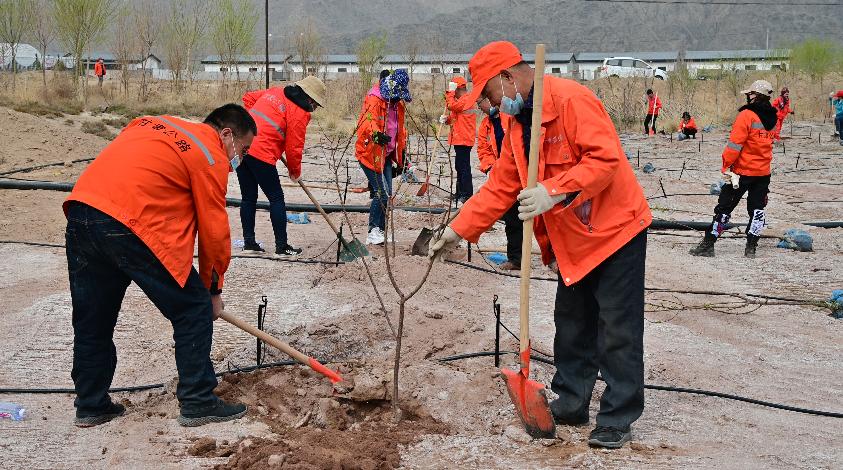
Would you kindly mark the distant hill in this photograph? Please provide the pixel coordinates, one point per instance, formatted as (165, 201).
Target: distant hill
(565, 26)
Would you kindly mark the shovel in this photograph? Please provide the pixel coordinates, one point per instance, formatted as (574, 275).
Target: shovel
(527, 395)
(350, 250)
(426, 185)
(317, 366)
(423, 240)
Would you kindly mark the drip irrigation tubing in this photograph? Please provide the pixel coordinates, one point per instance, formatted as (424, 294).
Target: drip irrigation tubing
(46, 165)
(230, 202)
(666, 388)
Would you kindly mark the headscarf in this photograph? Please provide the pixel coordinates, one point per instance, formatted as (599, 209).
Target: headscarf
(396, 86)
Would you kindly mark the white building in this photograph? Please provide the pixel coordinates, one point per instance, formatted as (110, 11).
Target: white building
(25, 55)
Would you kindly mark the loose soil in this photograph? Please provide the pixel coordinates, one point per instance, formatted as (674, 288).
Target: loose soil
(454, 414)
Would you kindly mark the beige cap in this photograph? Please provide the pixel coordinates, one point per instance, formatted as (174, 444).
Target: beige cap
(762, 87)
(314, 88)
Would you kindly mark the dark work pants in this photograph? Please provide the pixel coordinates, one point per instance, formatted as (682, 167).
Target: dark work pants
(838, 124)
(103, 257)
(251, 174)
(650, 118)
(757, 188)
(690, 133)
(600, 327)
(514, 228)
(462, 165)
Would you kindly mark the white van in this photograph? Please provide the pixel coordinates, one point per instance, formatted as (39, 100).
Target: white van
(626, 67)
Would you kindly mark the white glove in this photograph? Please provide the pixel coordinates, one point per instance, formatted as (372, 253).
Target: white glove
(452, 86)
(536, 201)
(440, 246)
(443, 119)
(731, 178)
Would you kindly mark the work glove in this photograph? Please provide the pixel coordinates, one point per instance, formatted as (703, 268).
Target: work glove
(443, 119)
(536, 201)
(452, 86)
(445, 243)
(731, 178)
(379, 138)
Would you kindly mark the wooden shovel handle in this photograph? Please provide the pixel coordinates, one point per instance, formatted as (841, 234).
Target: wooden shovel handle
(315, 202)
(267, 338)
(532, 177)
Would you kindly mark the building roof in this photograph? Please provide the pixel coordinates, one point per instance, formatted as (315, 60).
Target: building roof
(664, 56)
(738, 55)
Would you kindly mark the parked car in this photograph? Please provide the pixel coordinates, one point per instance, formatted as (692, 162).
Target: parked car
(626, 67)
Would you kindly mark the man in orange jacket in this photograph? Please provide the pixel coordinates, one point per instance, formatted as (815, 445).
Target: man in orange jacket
(282, 115)
(463, 121)
(133, 216)
(654, 105)
(590, 217)
(489, 140)
(99, 71)
(746, 169)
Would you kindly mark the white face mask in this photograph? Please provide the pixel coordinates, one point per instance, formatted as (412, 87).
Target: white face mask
(235, 159)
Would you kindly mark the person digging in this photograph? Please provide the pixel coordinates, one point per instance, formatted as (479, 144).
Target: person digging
(590, 217)
(133, 216)
(489, 140)
(746, 169)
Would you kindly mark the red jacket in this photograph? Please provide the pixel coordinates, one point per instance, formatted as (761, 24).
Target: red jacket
(462, 119)
(487, 146)
(580, 152)
(782, 108)
(99, 69)
(749, 150)
(373, 119)
(691, 125)
(282, 126)
(654, 104)
(166, 179)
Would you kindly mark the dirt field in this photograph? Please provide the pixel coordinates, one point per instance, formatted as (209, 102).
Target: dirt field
(456, 414)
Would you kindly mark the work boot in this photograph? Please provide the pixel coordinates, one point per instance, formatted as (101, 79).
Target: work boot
(87, 420)
(609, 437)
(706, 247)
(249, 245)
(219, 412)
(287, 250)
(562, 418)
(751, 244)
(510, 266)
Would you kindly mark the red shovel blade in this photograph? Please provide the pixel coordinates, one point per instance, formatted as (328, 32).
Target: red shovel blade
(423, 189)
(333, 376)
(530, 402)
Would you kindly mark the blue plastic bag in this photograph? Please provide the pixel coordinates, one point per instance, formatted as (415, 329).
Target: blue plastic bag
(300, 218)
(497, 258)
(648, 168)
(795, 239)
(837, 298)
(715, 188)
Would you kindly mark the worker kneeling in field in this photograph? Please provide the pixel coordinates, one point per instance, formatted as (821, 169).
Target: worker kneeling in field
(590, 215)
(133, 216)
(282, 116)
(746, 169)
(687, 127)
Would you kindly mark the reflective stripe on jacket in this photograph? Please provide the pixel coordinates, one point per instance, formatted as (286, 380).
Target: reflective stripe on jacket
(282, 127)
(749, 150)
(462, 118)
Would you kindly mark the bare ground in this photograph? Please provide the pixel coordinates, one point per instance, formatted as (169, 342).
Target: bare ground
(457, 415)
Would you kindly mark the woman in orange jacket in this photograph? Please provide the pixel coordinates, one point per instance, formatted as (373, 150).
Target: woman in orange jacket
(782, 107)
(687, 127)
(133, 216)
(590, 217)
(462, 118)
(381, 141)
(746, 169)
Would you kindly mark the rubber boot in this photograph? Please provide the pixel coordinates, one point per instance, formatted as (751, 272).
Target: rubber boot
(751, 244)
(706, 247)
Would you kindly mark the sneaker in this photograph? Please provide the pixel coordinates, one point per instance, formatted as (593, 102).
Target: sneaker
(577, 419)
(609, 437)
(87, 420)
(253, 246)
(287, 250)
(218, 413)
(375, 237)
(510, 266)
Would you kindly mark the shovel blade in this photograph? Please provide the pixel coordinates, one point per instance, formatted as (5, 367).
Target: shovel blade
(352, 250)
(530, 402)
(422, 241)
(423, 189)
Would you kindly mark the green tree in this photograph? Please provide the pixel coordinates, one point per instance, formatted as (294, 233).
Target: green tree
(79, 24)
(370, 52)
(815, 58)
(233, 31)
(15, 21)
(43, 32)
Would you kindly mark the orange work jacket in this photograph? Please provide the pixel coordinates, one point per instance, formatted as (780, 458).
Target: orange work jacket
(373, 119)
(579, 151)
(462, 118)
(749, 150)
(166, 179)
(691, 124)
(99, 69)
(282, 126)
(487, 146)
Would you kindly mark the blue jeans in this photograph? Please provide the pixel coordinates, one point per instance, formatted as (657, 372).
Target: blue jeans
(253, 173)
(381, 189)
(103, 257)
(838, 124)
(462, 165)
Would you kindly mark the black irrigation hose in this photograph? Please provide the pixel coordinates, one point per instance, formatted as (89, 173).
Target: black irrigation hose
(141, 388)
(46, 165)
(668, 388)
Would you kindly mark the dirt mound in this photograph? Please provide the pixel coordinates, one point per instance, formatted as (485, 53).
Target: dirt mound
(317, 429)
